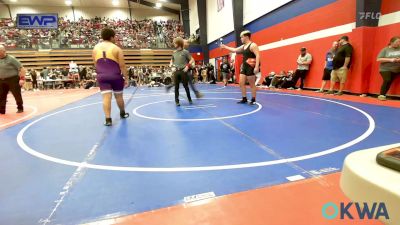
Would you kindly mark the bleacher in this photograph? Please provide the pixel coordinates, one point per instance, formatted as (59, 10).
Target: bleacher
(32, 59)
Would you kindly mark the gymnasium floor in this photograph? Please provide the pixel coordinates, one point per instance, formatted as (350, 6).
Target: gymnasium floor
(259, 163)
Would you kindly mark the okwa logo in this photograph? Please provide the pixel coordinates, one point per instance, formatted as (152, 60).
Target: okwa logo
(363, 210)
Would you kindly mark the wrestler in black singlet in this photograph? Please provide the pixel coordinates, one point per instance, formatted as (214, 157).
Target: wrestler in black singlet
(248, 55)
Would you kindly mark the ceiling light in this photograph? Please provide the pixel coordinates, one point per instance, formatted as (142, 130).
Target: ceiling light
(115, 2)
(13, 0)
(158, 5)
(68, 2)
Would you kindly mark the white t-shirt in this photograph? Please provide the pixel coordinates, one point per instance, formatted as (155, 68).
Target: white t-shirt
(307, 57)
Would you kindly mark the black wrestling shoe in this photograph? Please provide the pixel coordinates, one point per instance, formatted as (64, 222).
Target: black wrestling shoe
(191, 102)
(108, 122)
(243, 101)
(252, 102)
(20, 111)
(123, 115)
(178, 104)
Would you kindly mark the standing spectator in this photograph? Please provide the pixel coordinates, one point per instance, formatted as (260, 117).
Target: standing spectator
(341, 65)
(204, 74)
(328, 66)
(303, 66)
(211, 75)
(82, 72)
(389, 58)
(45, 73)
(34, 80)
(225, 70)
(12, 78)
(232, 64)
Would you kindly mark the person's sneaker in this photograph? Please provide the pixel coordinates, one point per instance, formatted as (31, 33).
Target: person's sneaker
(178, 104)
(319, 91)
(330, 92)
(299, 89)
(199, 95)
(123, 115)
(339, 93)
(382, 97)
(291, 88)
(243, 101)
(20, 111)
(108, 122)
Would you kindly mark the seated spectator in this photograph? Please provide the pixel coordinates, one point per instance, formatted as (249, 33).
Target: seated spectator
(85, 33)
(288, 80)
(389, 57)
(268, 79)
(278, 79)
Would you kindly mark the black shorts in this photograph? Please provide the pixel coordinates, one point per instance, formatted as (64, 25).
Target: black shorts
(247, 70)
(327, 74)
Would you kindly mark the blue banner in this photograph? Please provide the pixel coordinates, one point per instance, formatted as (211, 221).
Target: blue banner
(37, 21)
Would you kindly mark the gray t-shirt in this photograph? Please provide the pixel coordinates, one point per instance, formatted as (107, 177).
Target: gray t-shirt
(304, 59)
(180, 58)
(9, 67)
(390, 66)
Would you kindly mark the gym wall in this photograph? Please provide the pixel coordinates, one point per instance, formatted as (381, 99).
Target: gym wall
(315, 25)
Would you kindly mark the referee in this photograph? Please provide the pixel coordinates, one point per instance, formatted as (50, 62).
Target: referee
(12, 78)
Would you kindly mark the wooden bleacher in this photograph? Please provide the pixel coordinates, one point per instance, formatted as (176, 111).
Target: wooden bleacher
(33, 59)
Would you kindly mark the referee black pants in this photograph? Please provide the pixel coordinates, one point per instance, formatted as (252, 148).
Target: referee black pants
(181, 77)
(10, 85)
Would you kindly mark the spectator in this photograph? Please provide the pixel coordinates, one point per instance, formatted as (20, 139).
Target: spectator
(389, 69)
(225, 70)
(341, 65)
(278, 79)
(82, 73)
(232, 64)
(288, 80)
(45, 73)
(303, 66)
(34, 80)
(328, 66)
(85, 33)
(268, 79)
(64, 72)
(12, 78)
(211, 74)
